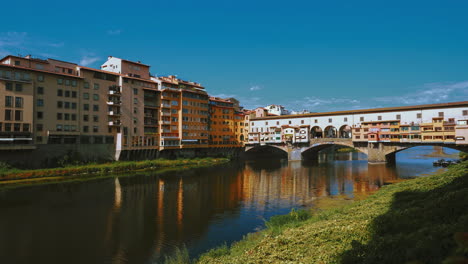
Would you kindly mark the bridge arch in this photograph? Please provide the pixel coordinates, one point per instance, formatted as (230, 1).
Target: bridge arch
(312, 151)
(330, 132)
(345, 131)
(392, 151)
(263, 151)
(316, 132)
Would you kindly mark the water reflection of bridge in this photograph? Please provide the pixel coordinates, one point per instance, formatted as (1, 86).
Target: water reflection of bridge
(138, 219)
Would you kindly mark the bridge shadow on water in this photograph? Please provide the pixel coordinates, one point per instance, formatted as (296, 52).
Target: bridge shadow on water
(419, 227)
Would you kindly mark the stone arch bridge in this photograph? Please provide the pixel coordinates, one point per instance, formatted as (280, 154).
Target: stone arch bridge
(375, 151)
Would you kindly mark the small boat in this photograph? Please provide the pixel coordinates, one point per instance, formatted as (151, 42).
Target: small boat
(438, 163)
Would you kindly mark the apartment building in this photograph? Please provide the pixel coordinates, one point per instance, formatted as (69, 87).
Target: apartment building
(222, 124)
(121, 105)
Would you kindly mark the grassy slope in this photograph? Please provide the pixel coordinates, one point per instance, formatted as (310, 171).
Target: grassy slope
(409, 222)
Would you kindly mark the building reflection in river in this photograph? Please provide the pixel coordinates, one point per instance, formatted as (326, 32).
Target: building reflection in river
(139, 219)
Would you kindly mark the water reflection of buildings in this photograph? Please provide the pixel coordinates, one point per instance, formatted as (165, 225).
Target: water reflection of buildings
(137, 219)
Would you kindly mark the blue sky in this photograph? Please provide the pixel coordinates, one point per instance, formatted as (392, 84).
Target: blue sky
(314, 55)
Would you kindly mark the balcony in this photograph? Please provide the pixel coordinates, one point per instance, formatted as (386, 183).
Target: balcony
(166, 105)
(166, 113)
(166, 122)
(117, 103)
(113, 113)
(114, 123)
(114, 93)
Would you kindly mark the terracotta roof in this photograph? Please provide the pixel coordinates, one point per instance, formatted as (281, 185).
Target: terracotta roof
(366, 111)
(37, 70)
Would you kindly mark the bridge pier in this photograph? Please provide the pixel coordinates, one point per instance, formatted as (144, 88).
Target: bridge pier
(377, 153)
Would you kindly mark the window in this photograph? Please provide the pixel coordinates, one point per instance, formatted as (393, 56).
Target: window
(7, 127)
(85, 129)
(289, 122)
(95, 118)
(18, 87)
(40, 90)
(59, 81)
(95, 108)
(67, 93)
(315, 121)
(8, 114)
(266, 123)
(379, 117)
(40, 102)
(19, 102)
(58, 127)
(418, 115)
(40, 78)
(66, 116)
(17, 63)
(73, 117)
(18, 115)
(9, 86)
(329, 120)
(39, 127)
(135, 100)
(8, 101)
(73, 94)
(361, 118)
(86, 107)
(73, 83)
(59, 92)
(441, 114)
(73, 105)
(345, 119)
(59, 116)
(398, 117)
(95, 129)
(40, 115)
(67, 82)
(86, 96)
(67, 105)
(96, 86)
(39, 139)
(465, 112)
(59, 104)
(302, 121)
(86, 85)
(85, 118)
(95, 97)
(135, 91)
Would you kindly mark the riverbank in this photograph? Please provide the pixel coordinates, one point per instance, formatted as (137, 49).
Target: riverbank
(421, 220)
(11, 177)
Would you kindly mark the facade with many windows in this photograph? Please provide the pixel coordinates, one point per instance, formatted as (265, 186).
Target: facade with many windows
(122, 104)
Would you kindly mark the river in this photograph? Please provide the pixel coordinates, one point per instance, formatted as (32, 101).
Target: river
(143, 218)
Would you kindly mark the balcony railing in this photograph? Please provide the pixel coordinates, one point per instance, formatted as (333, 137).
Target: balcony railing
(113, 113)
(114, 93)
(114, 103)
(115, 123)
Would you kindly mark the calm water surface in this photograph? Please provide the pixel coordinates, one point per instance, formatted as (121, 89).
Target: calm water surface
(141, 219)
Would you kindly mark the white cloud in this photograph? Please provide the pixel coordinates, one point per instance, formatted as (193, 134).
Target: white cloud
(255, 88)
(429, 93)
(88, 60)
(224, 96)
(56, 45)
(12, 42)
(114, 32)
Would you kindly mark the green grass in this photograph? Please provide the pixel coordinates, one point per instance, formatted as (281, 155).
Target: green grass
(422, 220)
(11, 176)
